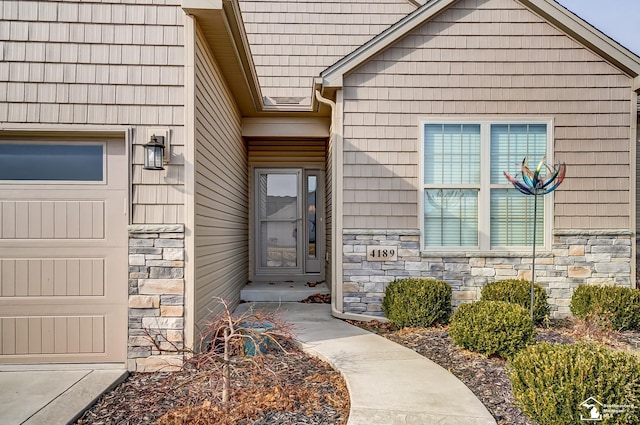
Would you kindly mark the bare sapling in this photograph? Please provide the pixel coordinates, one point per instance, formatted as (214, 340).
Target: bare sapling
(239, 340)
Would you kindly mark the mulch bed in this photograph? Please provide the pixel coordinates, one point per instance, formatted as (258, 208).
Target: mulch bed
(276, 388)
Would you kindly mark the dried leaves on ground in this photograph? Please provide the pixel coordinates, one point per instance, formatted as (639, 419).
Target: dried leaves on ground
(278, 388)
(487, 377)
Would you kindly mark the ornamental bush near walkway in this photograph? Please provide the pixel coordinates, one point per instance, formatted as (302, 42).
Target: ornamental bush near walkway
(518, 291)
(558, 384)
(617, 306)
(492, 328)
(417, 302)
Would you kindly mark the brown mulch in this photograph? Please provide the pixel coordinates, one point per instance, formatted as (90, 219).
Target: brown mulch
(487, 377)
(317, 299)
(277, 388)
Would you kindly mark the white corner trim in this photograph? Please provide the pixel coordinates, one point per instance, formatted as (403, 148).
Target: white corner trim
(189, 180)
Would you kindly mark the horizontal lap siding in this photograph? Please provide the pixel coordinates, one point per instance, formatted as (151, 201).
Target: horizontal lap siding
(329, 224)
(487, 59)
(292, 41)
(99, 63)
(221, 206)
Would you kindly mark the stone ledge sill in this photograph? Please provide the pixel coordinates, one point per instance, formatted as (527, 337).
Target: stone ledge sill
(156, 228)
(484, 254)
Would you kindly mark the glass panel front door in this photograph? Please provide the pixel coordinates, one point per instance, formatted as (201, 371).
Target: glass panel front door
(288, 223)
(278, 220)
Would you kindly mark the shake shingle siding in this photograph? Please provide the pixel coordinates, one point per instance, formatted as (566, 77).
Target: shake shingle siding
(487, 59)
(66, 63)
(292, 41)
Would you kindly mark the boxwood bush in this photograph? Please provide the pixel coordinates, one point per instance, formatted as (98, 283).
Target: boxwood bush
(417, 302)
(551, 381)
(619, 307)
(518, 291)
(492, 327)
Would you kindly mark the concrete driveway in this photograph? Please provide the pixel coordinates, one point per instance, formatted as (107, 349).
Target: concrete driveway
(52, 394)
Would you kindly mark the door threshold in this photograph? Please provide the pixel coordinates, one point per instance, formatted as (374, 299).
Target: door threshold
(282, 291)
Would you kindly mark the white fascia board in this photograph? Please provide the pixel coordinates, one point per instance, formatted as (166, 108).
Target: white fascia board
(586, 34)
(202, 4)
(56, 129)
(333, 76)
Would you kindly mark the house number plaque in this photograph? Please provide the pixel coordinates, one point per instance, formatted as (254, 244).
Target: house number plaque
(382, 253)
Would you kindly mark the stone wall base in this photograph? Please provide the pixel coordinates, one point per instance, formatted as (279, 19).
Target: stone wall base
(156, 298)
(576, 258)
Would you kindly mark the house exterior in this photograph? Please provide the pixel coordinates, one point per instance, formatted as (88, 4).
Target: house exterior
(353, 143)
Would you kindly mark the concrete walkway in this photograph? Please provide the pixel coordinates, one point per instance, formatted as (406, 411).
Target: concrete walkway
(388, 383)
(52, 394)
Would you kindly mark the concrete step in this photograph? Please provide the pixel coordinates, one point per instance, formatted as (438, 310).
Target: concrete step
(279, 291)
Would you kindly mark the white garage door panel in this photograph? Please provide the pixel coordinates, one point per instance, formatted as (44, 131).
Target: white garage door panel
(52, 335)
(63, 268)
(69, 219)
(52, 277)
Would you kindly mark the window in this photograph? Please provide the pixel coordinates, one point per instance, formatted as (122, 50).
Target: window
(52, 162)
(468, 203)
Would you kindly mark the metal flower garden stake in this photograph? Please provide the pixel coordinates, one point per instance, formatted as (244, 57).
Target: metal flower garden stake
(544, 179)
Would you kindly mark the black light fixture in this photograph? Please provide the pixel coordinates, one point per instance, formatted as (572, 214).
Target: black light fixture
(154, 153)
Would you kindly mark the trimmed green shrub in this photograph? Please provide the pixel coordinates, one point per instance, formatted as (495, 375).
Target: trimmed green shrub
(551, 382)
(492, 327)
(518, 291)
(417, 302)
(619, 307)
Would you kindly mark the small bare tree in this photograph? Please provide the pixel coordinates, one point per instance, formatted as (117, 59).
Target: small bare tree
(233, 340)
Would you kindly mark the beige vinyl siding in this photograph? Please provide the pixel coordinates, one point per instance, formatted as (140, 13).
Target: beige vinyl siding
(292, 153)
(101, 63)
(488, 60)
(292, 41)
(329, 223)
(221, 190)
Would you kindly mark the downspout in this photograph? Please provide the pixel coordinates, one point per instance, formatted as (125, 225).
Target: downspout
(336, 254)
(635, 139)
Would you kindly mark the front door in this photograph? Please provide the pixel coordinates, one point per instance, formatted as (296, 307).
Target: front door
(289, 224)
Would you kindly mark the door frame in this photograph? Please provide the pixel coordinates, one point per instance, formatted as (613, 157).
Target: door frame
(299, 273)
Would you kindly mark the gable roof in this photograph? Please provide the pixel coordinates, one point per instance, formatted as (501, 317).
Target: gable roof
(552, 12)
(292, 41)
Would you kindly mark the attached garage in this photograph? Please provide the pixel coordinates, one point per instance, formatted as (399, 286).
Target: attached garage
(63, 249)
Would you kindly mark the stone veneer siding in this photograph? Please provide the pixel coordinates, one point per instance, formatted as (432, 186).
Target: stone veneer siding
(577, 257)
(156, 297)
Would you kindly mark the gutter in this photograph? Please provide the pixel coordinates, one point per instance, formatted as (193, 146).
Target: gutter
(337, 227)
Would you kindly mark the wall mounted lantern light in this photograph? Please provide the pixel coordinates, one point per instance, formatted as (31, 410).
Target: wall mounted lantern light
(154, 153)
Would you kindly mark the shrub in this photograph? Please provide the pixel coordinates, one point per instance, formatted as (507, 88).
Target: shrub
(620, 307)
(551, 381)
(492, 327)
(417, 302)
(518, 291)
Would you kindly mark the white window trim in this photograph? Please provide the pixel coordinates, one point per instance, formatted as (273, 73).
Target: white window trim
(484, 242)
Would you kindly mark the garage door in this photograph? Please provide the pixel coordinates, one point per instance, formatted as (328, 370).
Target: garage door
(63, 251)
